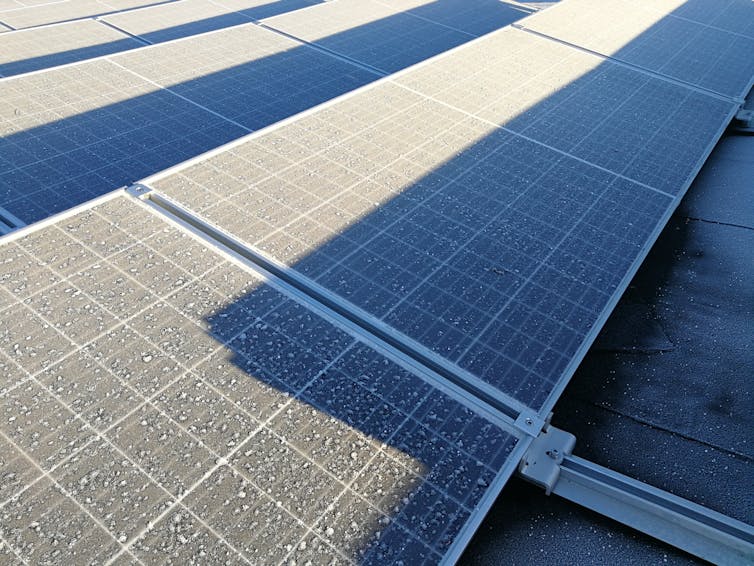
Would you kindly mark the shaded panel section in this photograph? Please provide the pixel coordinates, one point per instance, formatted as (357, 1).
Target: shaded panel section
(248, 74)
(246, 427)
(492, 251)
(370, 32)
(31, 50)
(75, 133)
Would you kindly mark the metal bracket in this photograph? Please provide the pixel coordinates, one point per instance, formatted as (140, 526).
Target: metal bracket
(541, 463)
(744, 121)
(549, 463)
(137, 190)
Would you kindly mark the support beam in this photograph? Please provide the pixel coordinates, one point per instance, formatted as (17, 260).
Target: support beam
(693, 528)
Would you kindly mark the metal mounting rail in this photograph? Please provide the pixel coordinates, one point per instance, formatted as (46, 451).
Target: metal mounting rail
(693, 528)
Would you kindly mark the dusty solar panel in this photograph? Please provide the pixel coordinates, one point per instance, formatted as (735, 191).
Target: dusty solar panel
(162, 403)
(65, 10)
(174, 20)
(369, 32)
(476, 17)
(258, 9)
(647, 129)
(34, 49)
(73, 133)
(657, 40)
(3, 28)
(248, 74)
(729, 15)
(496, 251)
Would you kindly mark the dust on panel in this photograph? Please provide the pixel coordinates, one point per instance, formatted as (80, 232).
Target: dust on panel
(31, 50)
(650, 130)
(475, 17)
(657, 40)
(179, 19)
(248, 74)
(370, 32)
(54, 12)
(74, 133)
(162, 403)
(492, 251)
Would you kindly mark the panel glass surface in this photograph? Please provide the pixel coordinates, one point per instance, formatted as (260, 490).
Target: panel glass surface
(372, 33)
(657, 40)
(647, 129)
(74, 133)
(494, 252)
(178, 19)
(160, 403)
(248, 74)
(31, 50)
(258, 9)
(54, 12)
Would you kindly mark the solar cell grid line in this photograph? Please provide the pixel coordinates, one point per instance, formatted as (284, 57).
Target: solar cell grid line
(248, 74)
(71, 133)
(476, 17)
(730, 15)
(43, 14)
(656, 131)
(50, 46)
(651, 38)
(341, 222)
(156, 24)
(383, 37)
(297, 439)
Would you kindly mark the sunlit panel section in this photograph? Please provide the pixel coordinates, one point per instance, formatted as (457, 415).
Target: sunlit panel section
(176, 19)
(652, 36)
(246, 73)
(34, 49)
(52, 12)
(163, 403)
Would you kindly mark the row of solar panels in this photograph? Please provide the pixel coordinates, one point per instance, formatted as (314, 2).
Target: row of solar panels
(452, 234)
(141, 111)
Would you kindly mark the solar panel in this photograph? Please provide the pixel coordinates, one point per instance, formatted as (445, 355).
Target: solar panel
(3, 28)
(54, 12)
(690, 51)
(258, 9)
(729, 15)
(369, 32)
(248, 74)
(649, 130)
(72, 133)
(491, 253)
(34, 49)
(475, 17)
(178, 19)
(162, 402)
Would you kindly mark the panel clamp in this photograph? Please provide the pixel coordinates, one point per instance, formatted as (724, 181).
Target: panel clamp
(139, 191)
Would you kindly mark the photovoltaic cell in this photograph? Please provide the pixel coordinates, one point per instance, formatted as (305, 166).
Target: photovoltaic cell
(475, 17)
(384, 37)
(247, 74)
(31, 50)
(73, 133)
(162, 403)
(55, 12)
(656, 39)
(446, 227)
(258, 9)
(652, 131)
(729, 15)
(177, 19)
